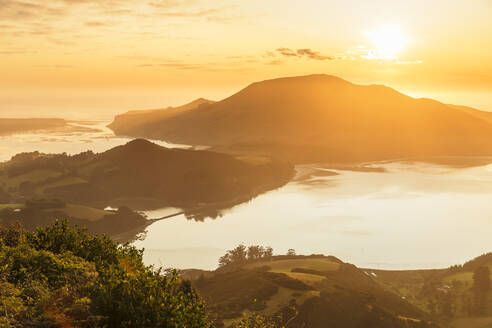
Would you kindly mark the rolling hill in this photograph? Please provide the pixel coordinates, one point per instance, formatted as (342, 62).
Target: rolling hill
(131, 123)
(140, 173)
(306, 291)
(121, 225)
(323, 291)
(325, 118)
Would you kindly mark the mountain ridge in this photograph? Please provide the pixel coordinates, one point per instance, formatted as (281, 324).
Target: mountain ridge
(325, 118)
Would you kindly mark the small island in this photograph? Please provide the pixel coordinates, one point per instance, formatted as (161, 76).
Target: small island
(139, 175)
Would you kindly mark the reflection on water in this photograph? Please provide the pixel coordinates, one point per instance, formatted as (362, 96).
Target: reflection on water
(385, 215)
(73, 139)
(404, 215)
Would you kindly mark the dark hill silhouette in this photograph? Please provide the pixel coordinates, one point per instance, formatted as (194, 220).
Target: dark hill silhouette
(130, 122)
(325, 118)
(182, 176)
(337, 294)
(141, 173)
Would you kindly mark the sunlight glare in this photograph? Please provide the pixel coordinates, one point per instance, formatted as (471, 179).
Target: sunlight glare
(388, 42)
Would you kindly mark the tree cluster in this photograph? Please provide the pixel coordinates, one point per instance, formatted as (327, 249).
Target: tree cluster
(481, 288)
(242, 254)
(62, 277)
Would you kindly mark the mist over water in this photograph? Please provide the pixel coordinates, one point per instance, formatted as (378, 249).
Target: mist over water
(73, 139)
(412, 216)
(397, 216)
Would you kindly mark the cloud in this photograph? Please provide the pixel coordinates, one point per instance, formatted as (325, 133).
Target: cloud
(60, 22)
(275, 62)
(97, 24)
(286, 52)
(200, 13)
(171, 3)
(181, 66)
(313, 54)
(12, 52)
(192, 8)
(15, 10)
(300, 53)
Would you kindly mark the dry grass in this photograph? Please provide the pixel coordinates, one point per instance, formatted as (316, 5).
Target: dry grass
(308, 279)
(86, 213)
(68, 181)
(254, 159)
(282, 298)
(465, 277)
(13, 206)
(33, 176)
(485, 322)
(283, 266)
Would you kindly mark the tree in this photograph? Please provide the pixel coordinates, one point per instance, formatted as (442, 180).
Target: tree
(241, 254)
(268, 253)
(255, 252)
(481, 279)
(481, 287)
(61, 276)
(236, 256)
(256, 321)
(291, 252)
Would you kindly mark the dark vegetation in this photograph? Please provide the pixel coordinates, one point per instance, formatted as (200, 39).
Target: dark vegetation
(242, 254)
(58, 276)
(322, 118)
(197, 181)
(301, 291)
(62, 277)
(132, 123)
(460, 292)
(42, 213)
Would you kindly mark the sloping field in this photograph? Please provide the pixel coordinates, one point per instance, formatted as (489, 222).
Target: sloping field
(85, 212)
(283, 266)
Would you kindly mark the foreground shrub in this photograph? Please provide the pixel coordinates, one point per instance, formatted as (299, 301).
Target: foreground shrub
(62, 277)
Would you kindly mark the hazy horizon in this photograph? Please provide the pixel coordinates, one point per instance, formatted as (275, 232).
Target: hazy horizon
(246, 164)
(91, 105)
(90, 58)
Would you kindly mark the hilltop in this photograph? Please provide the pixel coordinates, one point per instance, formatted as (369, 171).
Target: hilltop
(146, 123)
(142, 175)
(320, 291)
(325, 118)
(306, 291)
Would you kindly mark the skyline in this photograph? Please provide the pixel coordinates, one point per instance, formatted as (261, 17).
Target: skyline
(81, 57)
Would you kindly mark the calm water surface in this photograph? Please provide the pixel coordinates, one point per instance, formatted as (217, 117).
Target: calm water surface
(411, 216)
(73, 139)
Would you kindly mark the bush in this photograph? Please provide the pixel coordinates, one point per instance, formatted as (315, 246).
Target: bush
(62, 277)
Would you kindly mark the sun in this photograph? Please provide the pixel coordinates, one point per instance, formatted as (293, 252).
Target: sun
(388, 42)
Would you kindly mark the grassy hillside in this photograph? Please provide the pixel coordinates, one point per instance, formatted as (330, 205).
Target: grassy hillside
(447, 293)
(38, 213)
(305, 291)
(141, 172)
(324, 118)
(322, 291)
(62, 277)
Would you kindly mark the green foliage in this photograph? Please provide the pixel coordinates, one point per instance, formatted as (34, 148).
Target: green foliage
(481, 279)
(242, 254)
(257, 322)
(60, 276)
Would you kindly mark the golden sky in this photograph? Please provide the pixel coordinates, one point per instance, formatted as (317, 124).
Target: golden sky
(107, 56)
